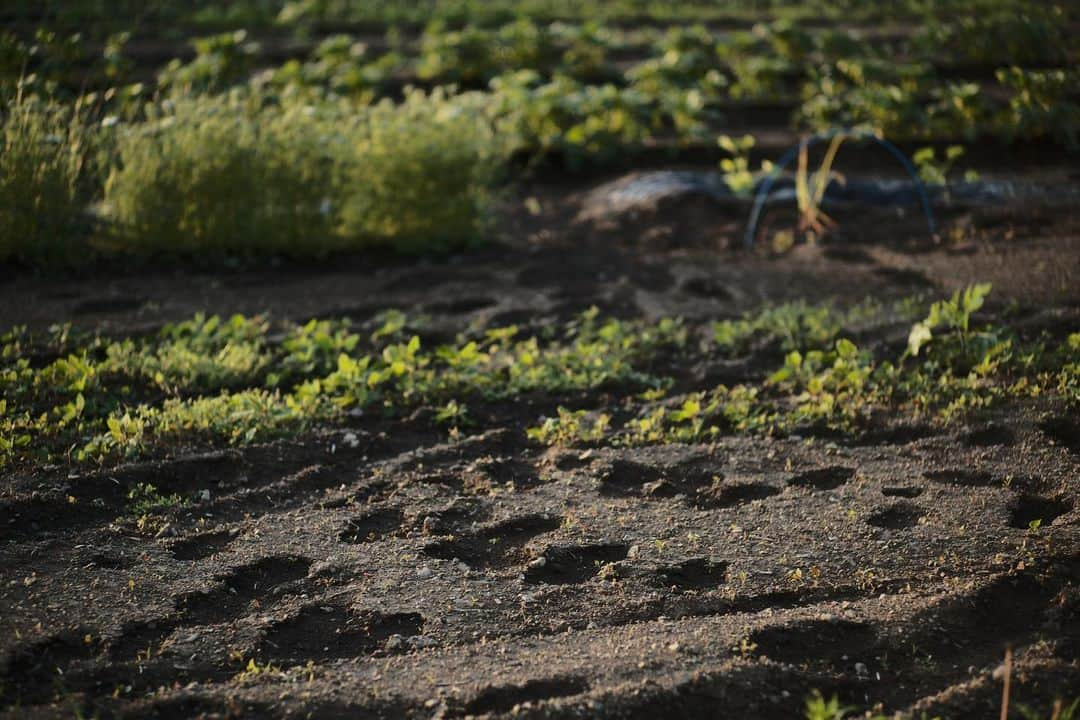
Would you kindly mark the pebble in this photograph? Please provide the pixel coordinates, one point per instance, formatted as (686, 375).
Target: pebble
(422, 641)
(351, 440)
(537, 563)
(424, 572)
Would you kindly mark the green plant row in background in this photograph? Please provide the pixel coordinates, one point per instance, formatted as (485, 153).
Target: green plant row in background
(767, 62)
(219, 160)
(165, 17)
(214, 381)
(248, 174)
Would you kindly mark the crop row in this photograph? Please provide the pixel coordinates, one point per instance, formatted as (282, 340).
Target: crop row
(254, 172)
(217, 381)
(771, 58)
(219, 158)
(559, 82)
(167, 15)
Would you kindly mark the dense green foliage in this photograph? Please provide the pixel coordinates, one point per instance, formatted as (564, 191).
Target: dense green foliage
(215, 381)
(949, 368)
(206, 178)
(227, 153)
(212, 177)
(43, 152)
(102, 16)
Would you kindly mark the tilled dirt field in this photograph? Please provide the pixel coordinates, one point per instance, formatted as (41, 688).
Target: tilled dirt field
(384, 570)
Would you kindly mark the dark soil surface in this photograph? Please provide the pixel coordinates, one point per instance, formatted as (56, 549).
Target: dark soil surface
(387, 571)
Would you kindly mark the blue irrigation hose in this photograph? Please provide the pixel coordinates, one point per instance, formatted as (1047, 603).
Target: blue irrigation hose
(766, 187)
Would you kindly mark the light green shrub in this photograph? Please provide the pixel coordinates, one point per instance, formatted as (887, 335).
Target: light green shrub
(209, 177)
(212, 177)
(421, 174)
(43, 147)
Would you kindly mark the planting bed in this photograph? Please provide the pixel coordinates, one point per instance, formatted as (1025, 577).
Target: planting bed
(392, 567)
(380, 360)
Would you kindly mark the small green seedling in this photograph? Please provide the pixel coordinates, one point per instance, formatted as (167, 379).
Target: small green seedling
(144, 499)
(737, 174)
(934, 171)
(453, 414)
(818, 708)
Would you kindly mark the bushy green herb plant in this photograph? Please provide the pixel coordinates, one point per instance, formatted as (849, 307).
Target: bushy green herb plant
(419, 176)
(209, 178)
(43, 156)
(214, 177)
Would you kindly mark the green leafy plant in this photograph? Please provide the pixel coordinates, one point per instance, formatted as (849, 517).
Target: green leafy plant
(209, 381)
(339, 66)
(583, 122)
(934, 170)
(570, 428)
(453, 414)
(198, 354)
(818, 708)
(683, 58)
(1030, 34)
(1041, 105)
(312, 349)
(220, 61)
(799, 325)
(145, 499)
(736, 169)
(953, 314)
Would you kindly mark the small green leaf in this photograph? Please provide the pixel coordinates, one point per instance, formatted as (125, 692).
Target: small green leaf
(919, 336)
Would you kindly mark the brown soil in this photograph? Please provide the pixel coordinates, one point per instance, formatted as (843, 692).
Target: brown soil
(390, 572)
